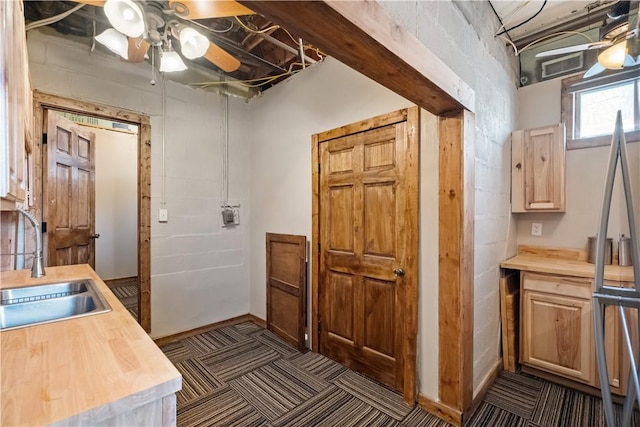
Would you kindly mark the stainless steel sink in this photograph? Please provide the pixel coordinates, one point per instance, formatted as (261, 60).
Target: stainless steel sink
(34, 305)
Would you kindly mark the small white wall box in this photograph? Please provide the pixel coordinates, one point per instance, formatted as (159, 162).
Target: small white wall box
(227, 216)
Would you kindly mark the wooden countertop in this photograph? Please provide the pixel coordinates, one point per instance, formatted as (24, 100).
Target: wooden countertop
(566, 267)
(79, 371)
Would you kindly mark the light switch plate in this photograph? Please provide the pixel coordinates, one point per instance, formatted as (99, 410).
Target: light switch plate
(163, 215)
(536, 229)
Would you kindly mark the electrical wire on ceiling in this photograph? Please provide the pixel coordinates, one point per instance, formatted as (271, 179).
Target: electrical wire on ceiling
(510, 14)
(265, 30)
(506, 30)
(541, 39)
(510, 39)
(52, 19)
(226, 30)
(247, 83)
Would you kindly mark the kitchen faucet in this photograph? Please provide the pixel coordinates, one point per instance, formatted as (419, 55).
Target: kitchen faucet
(37, 270)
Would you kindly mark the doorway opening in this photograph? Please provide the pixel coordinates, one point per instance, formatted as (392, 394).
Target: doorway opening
(114, 201)
(122, 200)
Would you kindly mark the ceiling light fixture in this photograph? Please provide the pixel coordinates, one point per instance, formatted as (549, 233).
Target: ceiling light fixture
(125, 16)
(115, 41)
(170, 62)
(614, 56)
(192, 43)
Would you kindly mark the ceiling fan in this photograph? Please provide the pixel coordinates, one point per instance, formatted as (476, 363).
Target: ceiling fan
(619, 38)
(137, 25)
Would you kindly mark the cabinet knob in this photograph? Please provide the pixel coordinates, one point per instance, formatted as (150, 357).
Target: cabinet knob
(398, 272)
(518, 165)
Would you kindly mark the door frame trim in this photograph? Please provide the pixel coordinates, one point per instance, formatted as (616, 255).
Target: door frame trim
(412, 232)
(43, 101)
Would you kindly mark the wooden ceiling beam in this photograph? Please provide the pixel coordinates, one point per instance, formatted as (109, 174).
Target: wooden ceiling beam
(364, 36)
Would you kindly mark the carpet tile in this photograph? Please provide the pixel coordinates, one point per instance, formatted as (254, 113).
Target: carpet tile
(319, 365)
(514, 393)
(419, 418)
(334, 407)
(245, 376)
(489, 415)
(373, 394)
(269, 339)
(223, 407)
(278, 387)
(177, 351)
(238, 359)
(196, 380)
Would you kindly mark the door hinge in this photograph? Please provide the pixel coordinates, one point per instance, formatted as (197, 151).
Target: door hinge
(43, 227)
(319, 168)
(318, 247)
(44, 138)
(319, 325)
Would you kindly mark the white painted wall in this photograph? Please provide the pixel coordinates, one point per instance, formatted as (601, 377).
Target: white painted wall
(461, 34)
(539, 105)
(116, 190)
(283, 119)
(199, 270)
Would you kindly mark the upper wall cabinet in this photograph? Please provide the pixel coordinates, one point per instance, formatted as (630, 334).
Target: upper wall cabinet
(15, 105)
(538, 169)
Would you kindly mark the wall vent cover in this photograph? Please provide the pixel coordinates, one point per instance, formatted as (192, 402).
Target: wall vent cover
(562, 65)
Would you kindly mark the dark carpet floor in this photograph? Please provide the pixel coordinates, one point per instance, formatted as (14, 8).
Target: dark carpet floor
(127, 293)
(243, 375)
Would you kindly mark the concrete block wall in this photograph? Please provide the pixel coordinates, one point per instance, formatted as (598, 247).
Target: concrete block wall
(461, 34)
(199, 269)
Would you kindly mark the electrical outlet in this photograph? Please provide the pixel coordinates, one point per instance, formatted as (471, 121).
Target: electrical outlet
(536, 229)
(163, 215)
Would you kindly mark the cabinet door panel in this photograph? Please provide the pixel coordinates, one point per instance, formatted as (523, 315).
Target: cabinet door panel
(538, 169)
(558, 335)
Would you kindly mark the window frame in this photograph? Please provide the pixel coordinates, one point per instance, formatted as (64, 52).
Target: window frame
(569, 101)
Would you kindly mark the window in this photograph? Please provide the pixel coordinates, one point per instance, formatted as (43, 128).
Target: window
(589, 108)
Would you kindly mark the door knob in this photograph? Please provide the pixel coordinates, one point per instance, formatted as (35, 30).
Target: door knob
(398, 272)
(94, 235)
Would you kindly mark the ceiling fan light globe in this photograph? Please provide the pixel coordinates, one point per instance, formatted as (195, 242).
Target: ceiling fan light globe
(192, 43)
(125, 16)
(115, 41)
(614, 57)
(171, 62)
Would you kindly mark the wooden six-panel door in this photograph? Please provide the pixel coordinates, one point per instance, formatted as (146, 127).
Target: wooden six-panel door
(69, 193)
(368, 223)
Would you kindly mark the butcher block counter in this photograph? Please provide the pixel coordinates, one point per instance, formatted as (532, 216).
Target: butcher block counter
(100, 369)
(545, 262)
(556, 336)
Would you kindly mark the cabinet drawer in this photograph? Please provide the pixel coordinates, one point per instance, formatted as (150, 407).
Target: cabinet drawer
(575, 287)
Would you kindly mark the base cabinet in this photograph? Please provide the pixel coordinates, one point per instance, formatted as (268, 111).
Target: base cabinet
(557, 332)
(558, 335)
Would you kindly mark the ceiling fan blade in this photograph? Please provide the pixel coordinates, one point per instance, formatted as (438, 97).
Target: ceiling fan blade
(194, 9)
(575, 48)
(137, 50)
(597, 68)
(629, 61)
(99, 3)
(221, 59)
